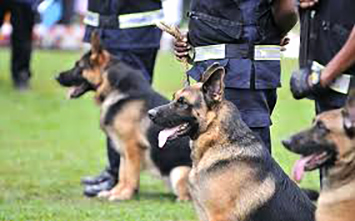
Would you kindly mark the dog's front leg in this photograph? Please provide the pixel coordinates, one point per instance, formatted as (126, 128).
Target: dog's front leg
(110, 194)
(130, 172)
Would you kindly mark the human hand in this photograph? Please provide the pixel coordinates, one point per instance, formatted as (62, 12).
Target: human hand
(308, 3)
(284, 41)
(182, 48)
(327, 76)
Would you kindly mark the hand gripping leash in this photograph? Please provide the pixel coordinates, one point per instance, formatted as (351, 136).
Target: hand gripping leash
(176, 33)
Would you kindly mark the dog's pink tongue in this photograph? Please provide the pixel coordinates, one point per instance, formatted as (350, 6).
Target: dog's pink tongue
(165, 134)
(70, 92)
(299, 168)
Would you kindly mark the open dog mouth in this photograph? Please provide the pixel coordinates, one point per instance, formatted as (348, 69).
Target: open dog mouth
(169, 134)
(309, 163)
(77, 91)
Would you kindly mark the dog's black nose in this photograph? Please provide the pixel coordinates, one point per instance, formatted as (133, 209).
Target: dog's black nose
(58, 78)
(152, 113)
(286, 143)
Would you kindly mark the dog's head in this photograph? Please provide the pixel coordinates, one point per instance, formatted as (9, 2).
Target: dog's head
(329, 142)
(86, 75)
(192, 108)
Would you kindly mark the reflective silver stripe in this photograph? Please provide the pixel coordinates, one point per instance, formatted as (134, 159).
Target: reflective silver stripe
(92, 18)
(341, 84)
(267, 52)
(140, 19)
(133, 20)
(204, 53)
(261, 52)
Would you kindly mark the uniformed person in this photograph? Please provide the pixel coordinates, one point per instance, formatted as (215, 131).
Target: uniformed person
(331, 54)
(127, 30)
(243, 36)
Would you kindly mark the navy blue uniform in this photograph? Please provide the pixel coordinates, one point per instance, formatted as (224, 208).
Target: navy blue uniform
(126, 29)
(136, 45)
(250, 83)
(332, 29)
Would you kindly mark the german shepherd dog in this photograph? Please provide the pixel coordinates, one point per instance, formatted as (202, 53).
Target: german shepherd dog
(125, 97)
(330, 144)
(233, 176)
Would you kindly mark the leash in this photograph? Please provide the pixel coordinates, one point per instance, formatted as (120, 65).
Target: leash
(176, 33)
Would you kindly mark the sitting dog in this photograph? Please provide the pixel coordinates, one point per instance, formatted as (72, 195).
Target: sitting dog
(125, 97)
(233, 175)
(330, 144)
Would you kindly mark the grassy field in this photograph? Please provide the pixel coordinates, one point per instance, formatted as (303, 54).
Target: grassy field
(47, 143)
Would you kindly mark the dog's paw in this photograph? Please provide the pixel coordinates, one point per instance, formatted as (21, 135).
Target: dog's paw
(104, 194)
(125, 194)
(184, 198)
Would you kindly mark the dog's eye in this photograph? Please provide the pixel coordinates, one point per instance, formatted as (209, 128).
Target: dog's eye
(79, 64)
(181, 100)
(321, 126)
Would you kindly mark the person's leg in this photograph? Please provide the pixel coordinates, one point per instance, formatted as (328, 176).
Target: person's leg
(68, 12)
(256, 107)
(110, 172)
(108, 178)
(22, 20)
(4, 7)
(143, 60)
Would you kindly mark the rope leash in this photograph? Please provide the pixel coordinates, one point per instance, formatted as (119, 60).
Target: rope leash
(176, 33)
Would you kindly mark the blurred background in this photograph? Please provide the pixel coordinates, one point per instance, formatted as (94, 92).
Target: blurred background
(65, 31)
(48, 142)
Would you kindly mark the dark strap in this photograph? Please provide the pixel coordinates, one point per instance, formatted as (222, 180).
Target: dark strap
(304, 54)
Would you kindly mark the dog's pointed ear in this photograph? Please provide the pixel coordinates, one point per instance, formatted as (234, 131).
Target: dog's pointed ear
(213, 85)
(212, 68)
(98, 55)
(349, 113)
(96, 47)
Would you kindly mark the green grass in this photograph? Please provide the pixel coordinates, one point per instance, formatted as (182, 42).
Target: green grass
(47, 143)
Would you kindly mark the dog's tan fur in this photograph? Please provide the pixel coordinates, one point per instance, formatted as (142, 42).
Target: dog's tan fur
(228, 195)
(337, 198)
(233, 192)
(233, 175)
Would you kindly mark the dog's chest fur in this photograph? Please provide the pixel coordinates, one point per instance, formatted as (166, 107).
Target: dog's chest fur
(111, 99)
(129, 121)
(337, 204)
(234, 179)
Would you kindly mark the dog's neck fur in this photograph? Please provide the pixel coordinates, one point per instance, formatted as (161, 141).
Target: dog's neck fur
(338, 193)
(340, 174)
(225, 127)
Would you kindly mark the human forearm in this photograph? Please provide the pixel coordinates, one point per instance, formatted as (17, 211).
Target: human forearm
(285, 14)
(343, 60)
